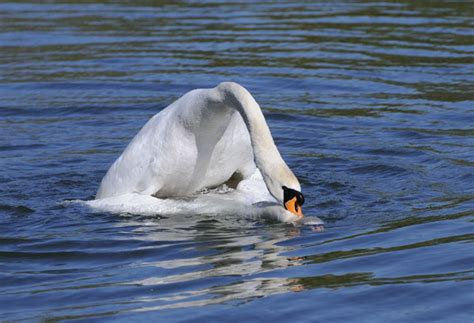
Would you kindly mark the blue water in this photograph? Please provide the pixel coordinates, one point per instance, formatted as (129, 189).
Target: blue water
(370, 103)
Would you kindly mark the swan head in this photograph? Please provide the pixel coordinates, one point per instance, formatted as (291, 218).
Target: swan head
(285, 187)
(293, 200)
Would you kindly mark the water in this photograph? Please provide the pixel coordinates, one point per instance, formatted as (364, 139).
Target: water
(371, 105)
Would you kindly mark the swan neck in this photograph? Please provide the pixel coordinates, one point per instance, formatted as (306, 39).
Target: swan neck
(265, 151)
(274, 170)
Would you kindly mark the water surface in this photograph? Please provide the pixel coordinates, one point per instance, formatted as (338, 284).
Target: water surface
(370, 103)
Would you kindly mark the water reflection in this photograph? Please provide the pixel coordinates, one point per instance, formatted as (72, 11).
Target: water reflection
(228, 248)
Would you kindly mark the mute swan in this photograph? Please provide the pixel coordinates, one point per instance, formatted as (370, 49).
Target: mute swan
(203, 139)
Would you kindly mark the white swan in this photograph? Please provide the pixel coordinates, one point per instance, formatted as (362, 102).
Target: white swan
(202, 140)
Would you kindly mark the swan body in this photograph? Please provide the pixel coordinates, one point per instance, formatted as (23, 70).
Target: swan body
(202, 140)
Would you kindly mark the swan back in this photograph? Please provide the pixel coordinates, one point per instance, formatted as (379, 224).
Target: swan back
(193, 143)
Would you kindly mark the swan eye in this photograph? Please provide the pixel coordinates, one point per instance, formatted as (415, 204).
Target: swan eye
(300, 198)
(289, 193)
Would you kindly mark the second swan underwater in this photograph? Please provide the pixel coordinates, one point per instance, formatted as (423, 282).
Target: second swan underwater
(206, 138)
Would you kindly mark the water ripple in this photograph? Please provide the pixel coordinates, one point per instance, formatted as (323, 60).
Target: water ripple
(370, 104)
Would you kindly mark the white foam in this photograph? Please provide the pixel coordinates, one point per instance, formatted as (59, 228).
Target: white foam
(250, 200)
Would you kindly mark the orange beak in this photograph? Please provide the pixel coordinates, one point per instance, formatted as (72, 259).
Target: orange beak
(293, 206)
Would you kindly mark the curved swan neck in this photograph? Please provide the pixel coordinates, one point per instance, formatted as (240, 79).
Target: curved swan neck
(264, 147)
(267, 157)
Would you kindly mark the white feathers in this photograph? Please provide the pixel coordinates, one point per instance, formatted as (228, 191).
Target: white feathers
(200, 141)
